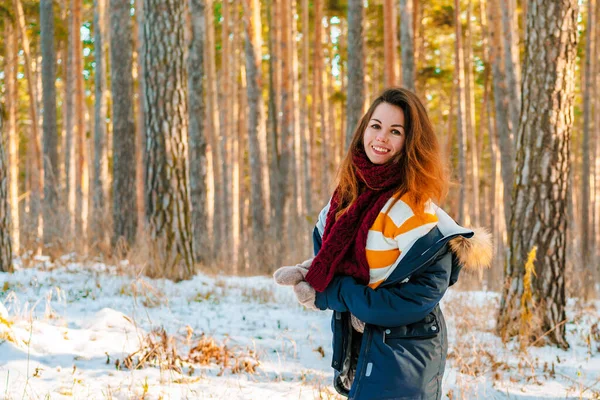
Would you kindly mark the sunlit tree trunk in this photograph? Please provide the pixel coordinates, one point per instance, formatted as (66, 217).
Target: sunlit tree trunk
(98, 226)
(10, 130)
(304, 121)
(389, 42)
(511, 60)
(503, 125)
(356, 75)
(124, 151)
(5, 226)
(407, 44)
(139, 110)
(197, 140)
(586, 144)
(34, 141)
(252, 27)
(167, 191)
(461, 116)
(539, 216)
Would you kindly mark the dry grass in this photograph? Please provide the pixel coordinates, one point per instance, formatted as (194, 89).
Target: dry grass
(158, 349)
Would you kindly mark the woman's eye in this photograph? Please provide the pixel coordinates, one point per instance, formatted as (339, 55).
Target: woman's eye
(396, 132)
(375, 126)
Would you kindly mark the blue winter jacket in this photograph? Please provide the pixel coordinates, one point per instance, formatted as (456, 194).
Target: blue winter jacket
(402, 352)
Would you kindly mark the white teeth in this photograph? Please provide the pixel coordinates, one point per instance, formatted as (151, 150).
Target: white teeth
(381, 149)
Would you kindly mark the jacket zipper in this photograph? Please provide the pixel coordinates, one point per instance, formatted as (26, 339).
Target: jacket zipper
(365, 362)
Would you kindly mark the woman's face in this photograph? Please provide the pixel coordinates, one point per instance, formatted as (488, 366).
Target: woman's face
(385, 134)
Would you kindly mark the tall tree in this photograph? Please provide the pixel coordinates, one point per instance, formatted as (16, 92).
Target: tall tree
(461, 116)
(539, 212)
(50, 141)
(390, 42)
(5, 230)
(167, 195)
(10, 102)
(407, 44)
(252, 27)
(124, 151)
(100, 174)
(356, 73)
(586, 241)
(511, 60)
(504, 129)
(34, 140)
(305, 130)
(197, 139)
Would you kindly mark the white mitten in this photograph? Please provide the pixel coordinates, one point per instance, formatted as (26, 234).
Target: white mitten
(290, 276)
(306, 295)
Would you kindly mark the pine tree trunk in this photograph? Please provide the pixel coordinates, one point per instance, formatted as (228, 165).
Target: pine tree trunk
(407, 44)
(10, 102)
(587, 145)
(255, 123)
(461, 117)
(503, 126)
(70, 129)
(389, 42)
(356, 75)
(81, 171)
(511, 61)
(124, 151)
(197, 140)
(99, 226)
(168, 198)
(34, 141)
(304, 121)
(213, 128)
(139, 117)
(539, 216)
(5, 226)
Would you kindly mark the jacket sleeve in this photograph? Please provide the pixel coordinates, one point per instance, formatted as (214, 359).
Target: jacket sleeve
(398, 305)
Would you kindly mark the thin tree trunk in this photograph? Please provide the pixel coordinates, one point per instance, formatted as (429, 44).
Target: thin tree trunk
(70, 130)
(407, 44)
(252, 28)
(213, 128)
(124, 151)
(586, 245)
(100, 172)
(167, 194)
(356, 75)
(540, 202)
(305, 130)
(197, 140)
(5, 226)
(81, 174)
(140, 112)
(36, 168)
(461, 117)
(503, 126)
(10, 102)
(389, 42)
(511, 60)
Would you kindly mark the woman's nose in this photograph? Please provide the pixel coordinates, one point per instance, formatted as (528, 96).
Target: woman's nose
(381, 136)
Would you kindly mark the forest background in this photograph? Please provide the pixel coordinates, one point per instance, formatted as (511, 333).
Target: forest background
(205, 135)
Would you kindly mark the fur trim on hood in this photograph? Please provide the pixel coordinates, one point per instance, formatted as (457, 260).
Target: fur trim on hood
(474, 253)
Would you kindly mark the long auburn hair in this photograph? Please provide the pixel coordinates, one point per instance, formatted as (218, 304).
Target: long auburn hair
(420, 161)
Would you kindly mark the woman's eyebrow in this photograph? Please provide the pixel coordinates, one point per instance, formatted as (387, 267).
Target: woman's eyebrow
(375, 119)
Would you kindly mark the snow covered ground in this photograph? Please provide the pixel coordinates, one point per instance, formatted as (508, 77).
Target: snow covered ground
(66, 332)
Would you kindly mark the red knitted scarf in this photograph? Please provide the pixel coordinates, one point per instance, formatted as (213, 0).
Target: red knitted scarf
(343, 251)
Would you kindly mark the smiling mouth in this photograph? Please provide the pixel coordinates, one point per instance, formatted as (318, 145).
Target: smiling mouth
(380, 150)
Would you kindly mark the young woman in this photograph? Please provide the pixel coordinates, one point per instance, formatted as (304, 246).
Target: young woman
(385, 255)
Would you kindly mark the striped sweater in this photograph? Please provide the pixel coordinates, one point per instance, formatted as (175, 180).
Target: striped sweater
(395, 230)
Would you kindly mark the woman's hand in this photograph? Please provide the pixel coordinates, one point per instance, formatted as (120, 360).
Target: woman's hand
(294, 276)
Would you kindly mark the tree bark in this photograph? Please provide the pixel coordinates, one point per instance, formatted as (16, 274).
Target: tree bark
(389, 42)
(539, 216)
(511, 61)
(356, 74)
(461, 117)
(197, 139)
(167, 191)
(100, 178)
(305, 130)
(407, 44)
(124, 151)
(10, 102)
(255, 119)
(5, 228)
(503, 126)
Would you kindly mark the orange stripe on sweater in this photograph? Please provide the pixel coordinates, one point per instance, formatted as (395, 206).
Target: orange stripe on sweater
(414, 222)
(385, 225)
(381, 258)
